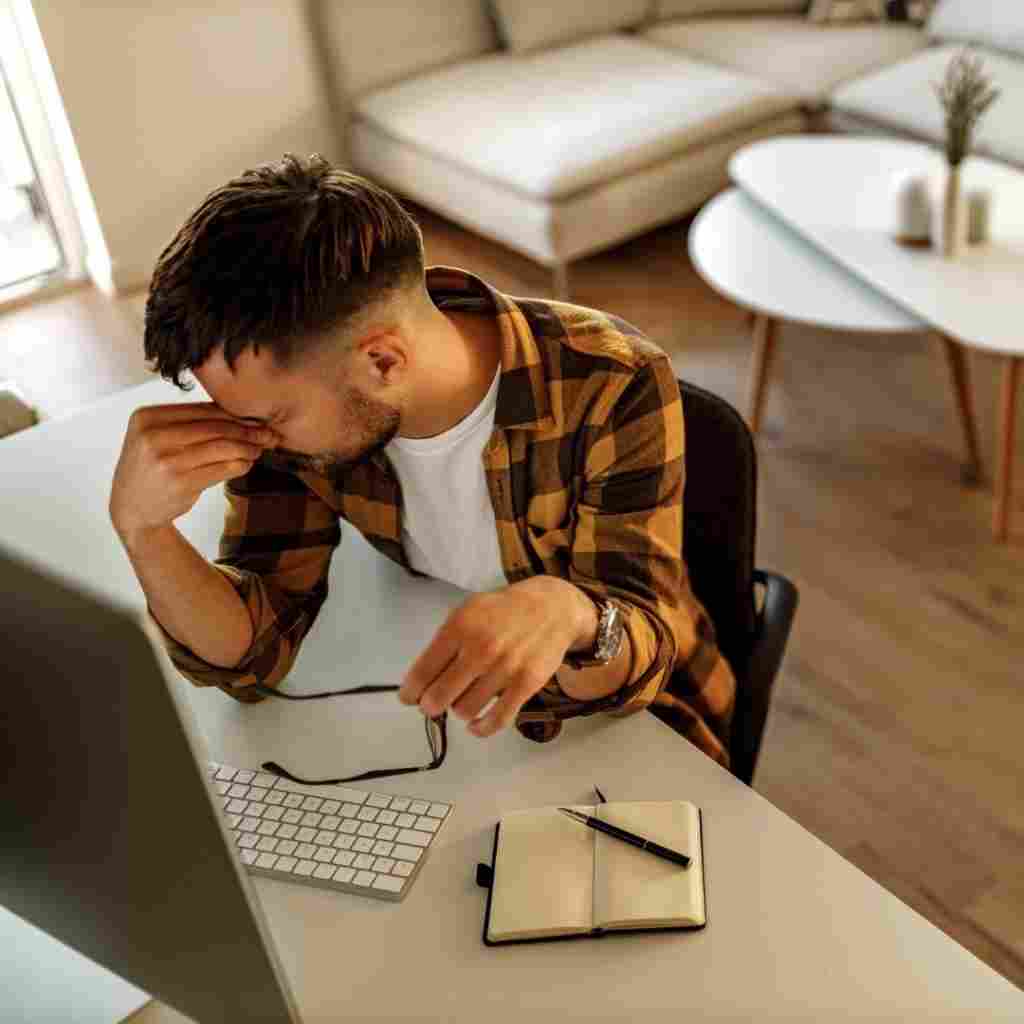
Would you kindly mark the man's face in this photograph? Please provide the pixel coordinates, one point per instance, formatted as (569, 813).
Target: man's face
(318, 409)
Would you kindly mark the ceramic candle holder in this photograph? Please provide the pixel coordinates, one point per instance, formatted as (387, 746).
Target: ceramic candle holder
(912, 208)
(979, 215)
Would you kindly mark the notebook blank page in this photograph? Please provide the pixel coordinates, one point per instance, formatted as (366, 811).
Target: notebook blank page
(543, 875)
(633, 888)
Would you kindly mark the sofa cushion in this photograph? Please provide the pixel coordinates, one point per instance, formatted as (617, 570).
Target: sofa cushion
(903, 96)
(838, 11)
(689, 8)
(791, 51)
(534, 24)
(995, 23)
(370, 45)
(559, 121)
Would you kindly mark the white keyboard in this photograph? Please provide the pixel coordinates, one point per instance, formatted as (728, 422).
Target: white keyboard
(332, 836)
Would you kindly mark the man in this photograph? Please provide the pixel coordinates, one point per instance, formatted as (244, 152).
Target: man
(525, 450)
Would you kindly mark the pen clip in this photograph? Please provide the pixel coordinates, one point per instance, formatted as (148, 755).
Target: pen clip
(600, 795)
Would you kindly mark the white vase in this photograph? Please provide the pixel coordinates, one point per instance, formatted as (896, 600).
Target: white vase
(949, 217)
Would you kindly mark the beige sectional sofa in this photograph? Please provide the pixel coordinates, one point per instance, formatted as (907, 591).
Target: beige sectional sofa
(563, 128)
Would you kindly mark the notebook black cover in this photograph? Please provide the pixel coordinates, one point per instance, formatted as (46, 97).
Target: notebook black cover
(596, 933)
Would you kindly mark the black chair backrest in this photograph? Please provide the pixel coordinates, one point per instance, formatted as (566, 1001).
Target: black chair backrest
(719, 520)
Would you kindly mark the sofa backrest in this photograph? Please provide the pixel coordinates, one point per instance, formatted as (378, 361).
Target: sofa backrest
(688, 8)
(998, 24)
(372, 43)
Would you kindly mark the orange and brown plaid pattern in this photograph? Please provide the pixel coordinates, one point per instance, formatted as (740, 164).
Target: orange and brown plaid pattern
(585, 470)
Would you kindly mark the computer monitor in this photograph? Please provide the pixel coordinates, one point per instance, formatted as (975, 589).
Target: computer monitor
(110, 837)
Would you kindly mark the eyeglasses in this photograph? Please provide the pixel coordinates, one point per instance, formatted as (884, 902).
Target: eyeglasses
(436, 729)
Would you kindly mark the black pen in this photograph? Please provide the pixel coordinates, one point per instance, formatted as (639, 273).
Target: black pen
(628, 837)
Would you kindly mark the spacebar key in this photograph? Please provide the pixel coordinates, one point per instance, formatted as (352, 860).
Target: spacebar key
(413, 837)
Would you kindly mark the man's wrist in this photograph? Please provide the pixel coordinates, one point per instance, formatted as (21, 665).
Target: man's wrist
(587, 620)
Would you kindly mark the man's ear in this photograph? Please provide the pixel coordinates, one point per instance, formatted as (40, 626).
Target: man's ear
(386, 357)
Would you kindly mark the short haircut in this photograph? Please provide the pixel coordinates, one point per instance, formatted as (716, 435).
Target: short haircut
(278, 257)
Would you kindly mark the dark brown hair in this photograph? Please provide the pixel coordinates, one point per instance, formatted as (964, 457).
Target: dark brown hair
(277, 257)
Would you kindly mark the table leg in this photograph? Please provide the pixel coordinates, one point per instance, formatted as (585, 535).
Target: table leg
(956, 356)
(765, 329)
(1004, 452)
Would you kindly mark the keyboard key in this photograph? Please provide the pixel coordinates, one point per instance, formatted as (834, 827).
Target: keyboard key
(286, 831)
(274, 796)
(406, 852)
(349, 826)
(304, 867)
(387, 832)
(388, 883)
(418, 807)
(286, 846)
(267, 828)
(249, 824)
(222, 787)
(354, 796)
(367, 814)
(286, 863)
(378, 800)
(292, 816)
(257, 793)
(404, 868)
(324, 854)
(254, 810)
(364, 878)
(236, 806)
(428, 824)
(239, 790)
(324, 838)
(225, 773)
(311, 803)
(364, 860)
(312, 820)
(344, 874)
(305, 851)
(273, 813)
(249, 856)
(305, 835)
(264, 780)
(343, 842)
(383, 864)
(366, 829)
(438, 810)
(247, 839)
(324, 871)
(344, 858)
(414, 838)
(349, 810)
(386, 817)
(330, 807)
(330, 822)
(267, 844)
(383, 849)
(244, 775)
(406, 820)
(293, 800)
(399, 803)
(266, 860)
(363, 845)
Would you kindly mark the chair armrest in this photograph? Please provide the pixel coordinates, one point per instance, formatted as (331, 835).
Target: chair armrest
(773, 625)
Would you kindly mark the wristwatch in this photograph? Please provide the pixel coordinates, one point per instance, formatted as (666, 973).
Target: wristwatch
(609, 638)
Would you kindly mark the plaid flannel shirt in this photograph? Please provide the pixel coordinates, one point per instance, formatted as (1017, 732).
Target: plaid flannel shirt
(585, 471)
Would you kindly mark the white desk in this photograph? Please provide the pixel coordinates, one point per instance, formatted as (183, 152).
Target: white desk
(795, 932)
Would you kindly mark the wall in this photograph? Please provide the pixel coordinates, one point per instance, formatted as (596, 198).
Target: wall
(166, 101)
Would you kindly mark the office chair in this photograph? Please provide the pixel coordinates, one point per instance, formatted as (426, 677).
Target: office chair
(719, 507)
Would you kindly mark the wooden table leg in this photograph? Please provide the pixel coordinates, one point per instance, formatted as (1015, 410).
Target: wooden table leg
(1004, 451)
(956, 356)
(764, 349)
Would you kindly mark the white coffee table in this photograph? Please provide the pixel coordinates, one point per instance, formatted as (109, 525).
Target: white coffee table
(834, 191)
(747, 254)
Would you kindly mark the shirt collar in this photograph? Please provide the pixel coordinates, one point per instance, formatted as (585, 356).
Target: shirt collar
(523, 399)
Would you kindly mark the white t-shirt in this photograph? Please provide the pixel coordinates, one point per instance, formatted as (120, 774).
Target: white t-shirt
(448, 526)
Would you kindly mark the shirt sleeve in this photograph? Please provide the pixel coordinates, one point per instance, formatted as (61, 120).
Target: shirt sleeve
(275, 550)
(628, 547)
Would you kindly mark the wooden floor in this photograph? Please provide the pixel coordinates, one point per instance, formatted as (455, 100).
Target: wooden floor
(895, 732)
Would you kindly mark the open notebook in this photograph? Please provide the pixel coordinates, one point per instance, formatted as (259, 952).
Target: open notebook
(553, 877)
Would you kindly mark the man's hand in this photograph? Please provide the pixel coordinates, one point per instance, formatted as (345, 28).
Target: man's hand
(171, 454)
(507, 643)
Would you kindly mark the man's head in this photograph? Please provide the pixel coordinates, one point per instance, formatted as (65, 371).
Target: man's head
(290, 294)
